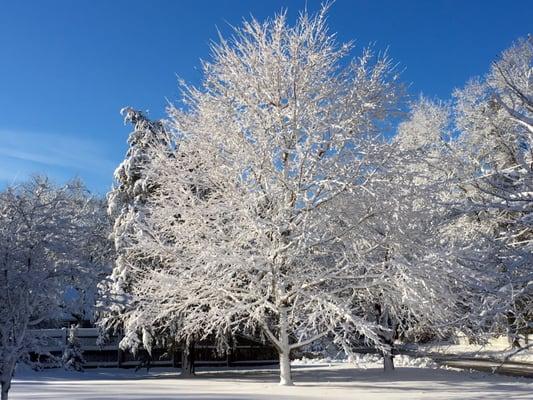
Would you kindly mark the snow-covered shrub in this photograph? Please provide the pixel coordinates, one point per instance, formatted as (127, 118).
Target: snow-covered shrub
(73, 354)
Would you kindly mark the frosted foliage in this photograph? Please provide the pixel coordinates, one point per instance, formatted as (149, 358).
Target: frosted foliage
(427, 125)
(127, 207)
(270, 204)
(272, 219)
(47, 244)
(429, 155)
(506, 185)
(494, 116)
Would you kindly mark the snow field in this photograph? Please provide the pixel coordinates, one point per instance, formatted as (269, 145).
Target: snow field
(319, 381)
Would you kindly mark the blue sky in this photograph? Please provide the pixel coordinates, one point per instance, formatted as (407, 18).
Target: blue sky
(68, 66)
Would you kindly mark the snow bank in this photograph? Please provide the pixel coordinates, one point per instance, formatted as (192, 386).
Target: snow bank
(365, 361)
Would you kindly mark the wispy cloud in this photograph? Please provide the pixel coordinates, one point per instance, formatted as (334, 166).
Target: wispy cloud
(62, 156)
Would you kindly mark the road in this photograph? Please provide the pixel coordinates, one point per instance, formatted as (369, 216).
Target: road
(512, 368)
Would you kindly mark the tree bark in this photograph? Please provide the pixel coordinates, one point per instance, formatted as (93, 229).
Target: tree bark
(512, 334)
(388, 336)
(5, 379)
(388, 356)
(5, 390)
(388, 361)
(285, 375)
(229, 359)
(187, 359)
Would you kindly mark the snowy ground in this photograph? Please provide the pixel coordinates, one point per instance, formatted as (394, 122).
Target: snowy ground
(313, 381)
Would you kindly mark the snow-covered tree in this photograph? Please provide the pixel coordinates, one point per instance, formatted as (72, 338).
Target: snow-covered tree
(421, 279)
(42, 231)
(495, 118)
(128, 207)
(96, 252)
(282, 126)
(126, 202)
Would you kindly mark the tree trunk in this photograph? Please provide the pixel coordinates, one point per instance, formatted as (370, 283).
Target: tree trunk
(388, 356)
(229, 352)
(5, 389)
(229, 359)
(285, 375)
(512, 334)
(187, 359)
(5, 378)
(387, 335)
(388, 361)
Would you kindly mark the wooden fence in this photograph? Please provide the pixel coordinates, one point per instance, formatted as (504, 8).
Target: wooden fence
(246, 351)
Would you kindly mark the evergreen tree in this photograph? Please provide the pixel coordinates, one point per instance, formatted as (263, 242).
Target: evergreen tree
(73, 355)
